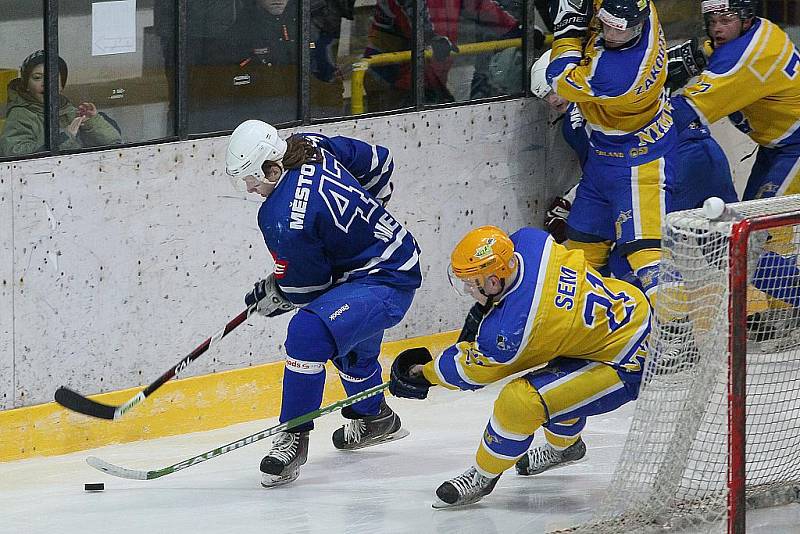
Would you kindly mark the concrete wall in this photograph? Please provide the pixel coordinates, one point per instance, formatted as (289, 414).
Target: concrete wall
(116, 264)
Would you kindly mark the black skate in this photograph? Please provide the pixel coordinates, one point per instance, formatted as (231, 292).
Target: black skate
(367, 430)
(282, 464)
(467, 488)
(774, 330)
(672, 346)
(544, 457)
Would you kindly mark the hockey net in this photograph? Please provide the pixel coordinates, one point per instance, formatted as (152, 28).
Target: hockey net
(716, 428)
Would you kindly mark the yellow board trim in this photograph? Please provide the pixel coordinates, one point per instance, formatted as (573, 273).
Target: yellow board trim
(181, 406)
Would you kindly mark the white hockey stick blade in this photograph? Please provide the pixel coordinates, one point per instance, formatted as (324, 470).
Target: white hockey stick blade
(115, 470)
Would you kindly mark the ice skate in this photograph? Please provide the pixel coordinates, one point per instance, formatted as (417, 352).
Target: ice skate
(774, 330)
(367, 430)
(282, 464)
(674, 348)
(467, 488)
(540, 459)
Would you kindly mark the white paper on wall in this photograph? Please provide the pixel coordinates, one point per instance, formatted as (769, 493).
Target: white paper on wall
(113, 27)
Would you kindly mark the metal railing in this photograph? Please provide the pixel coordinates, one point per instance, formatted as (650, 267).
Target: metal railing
(393, 58)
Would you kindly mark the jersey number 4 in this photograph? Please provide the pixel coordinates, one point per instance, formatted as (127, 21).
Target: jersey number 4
(345, 202)
(614, 304)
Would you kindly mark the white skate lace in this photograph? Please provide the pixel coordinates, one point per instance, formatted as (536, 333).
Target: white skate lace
(542, 456)
(353, 430)
(284, 448)
(469, 483)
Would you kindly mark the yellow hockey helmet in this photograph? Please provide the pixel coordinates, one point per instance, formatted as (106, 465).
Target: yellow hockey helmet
(483, 252)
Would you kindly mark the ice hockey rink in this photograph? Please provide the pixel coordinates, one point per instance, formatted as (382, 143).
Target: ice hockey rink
(387, 488)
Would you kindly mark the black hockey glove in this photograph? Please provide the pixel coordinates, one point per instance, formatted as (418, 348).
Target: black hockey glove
(270, 299)
(401, 383)
(555, 218)
(571, 18)
(684, 61)
(442, 47)
(470, 329)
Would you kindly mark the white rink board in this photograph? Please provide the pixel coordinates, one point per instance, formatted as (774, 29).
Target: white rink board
(125, 260)
(386, 489)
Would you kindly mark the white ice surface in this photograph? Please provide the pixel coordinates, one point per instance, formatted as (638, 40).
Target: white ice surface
(388, 488)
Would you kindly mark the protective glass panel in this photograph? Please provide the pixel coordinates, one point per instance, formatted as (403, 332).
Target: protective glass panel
(243, 62)
(117, 90)
(21, 109)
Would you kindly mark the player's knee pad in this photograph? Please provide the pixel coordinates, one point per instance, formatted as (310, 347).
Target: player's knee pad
(309, 343)
(596, 254)
(519, 409)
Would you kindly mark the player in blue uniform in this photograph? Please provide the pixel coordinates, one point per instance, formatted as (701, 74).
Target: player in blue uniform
(702, 169)
(347, 266)
(544, 306)
(609, 58)
(753, 77)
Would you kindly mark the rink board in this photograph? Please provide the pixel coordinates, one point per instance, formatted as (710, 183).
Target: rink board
(181, 406)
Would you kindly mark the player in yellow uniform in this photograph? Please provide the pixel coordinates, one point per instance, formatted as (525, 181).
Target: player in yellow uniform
(611, 61)
(544, 306)
(753, 77)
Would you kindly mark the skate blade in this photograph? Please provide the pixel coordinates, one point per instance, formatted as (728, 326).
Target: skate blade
(439, 504)
(562, 464)
(394, 436)
(273, 481)
(778, 344)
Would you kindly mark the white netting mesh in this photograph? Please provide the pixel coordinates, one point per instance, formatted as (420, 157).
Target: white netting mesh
(673, 471)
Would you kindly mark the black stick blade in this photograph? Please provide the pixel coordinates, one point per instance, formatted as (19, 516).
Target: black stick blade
(78, 403)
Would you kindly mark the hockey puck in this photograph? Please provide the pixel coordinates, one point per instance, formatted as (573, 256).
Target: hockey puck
(94, 487)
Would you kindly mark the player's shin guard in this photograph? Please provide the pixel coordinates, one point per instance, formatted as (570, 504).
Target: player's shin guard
(302, 391)
(518, 412)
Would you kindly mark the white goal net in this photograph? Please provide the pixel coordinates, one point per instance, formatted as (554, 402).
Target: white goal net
(716, 428)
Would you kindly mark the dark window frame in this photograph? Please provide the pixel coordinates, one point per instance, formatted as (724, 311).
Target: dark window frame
(181, 131)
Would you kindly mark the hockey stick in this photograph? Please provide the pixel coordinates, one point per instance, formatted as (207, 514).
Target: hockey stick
(76, 402)
(124, 472)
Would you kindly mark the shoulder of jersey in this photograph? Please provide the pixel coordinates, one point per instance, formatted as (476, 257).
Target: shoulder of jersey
(725, 58)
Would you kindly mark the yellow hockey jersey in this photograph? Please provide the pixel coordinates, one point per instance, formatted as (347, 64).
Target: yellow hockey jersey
(753, 79)
(557, 306)
(619, 92)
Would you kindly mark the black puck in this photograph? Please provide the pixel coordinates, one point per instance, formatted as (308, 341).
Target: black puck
(99, 486)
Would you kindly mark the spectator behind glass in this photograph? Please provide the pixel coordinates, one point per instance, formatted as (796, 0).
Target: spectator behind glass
(253, 73)
(24, 131)
(389, 87)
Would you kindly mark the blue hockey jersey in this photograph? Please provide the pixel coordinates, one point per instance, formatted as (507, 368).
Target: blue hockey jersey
(324, 228)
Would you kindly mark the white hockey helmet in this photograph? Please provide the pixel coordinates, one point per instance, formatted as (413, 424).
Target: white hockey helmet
(252, 143)
(539, 86)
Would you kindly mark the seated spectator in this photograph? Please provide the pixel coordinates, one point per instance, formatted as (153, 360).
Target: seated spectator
(24, 132)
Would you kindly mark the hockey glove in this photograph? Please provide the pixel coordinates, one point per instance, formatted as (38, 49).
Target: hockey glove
(571, 18)
(469, 332)
(442, 47)
(555, 219)
(684, 61)
(401, 383)
(270, 299)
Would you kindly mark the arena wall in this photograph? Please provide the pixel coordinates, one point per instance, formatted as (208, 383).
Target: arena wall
(116, 264)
